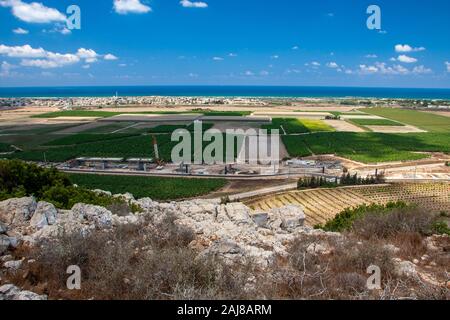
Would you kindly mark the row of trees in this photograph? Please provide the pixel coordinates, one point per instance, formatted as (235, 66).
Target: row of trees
(345, 180)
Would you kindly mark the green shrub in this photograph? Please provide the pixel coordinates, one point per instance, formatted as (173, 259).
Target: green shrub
(19, 179)
(344, 220)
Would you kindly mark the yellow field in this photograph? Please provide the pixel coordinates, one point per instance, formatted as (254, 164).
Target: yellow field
(321, 205)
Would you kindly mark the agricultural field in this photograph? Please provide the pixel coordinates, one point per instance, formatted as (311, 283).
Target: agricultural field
(168, 129)
(322, 205)
(37, 130)
(5, 147)
(156, 188)
(376, 122)
(101, 145)
(368, 147)
(293, 126)
(82, 138)
(423, 120)
(108, 114)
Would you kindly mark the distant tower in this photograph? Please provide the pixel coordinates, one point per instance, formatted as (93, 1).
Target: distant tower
(155, 148)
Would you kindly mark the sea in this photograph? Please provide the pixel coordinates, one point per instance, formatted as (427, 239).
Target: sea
(226, 91)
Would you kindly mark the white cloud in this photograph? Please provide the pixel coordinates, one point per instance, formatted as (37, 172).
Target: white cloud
(264, 73)
(406, 59)
(382, 68)
(130, 6)
(364, 69)
(232, 55)
(5, 69)
(371, 56)
(20, 31)
(249, 73)
(332, 65)
(40, 58)
(315, 64)
(89, 55)
(275, 57)
(407, 48)
(64, 31)
(25, 51)
(218, 58)
(422, 70)
(33, 12)
(295, 47)
(447, 64)
(110, 57)
(193, 4)
(57, 60)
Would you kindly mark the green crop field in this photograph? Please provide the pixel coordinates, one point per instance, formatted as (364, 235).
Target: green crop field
(375, 122)
(171, 128)
(368, 147)
(82, 138)
(424, 120)
(102, 145)
(156, 188)
(5, 147)
(293, 126)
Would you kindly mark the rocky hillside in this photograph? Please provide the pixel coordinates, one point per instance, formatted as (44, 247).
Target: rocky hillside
(259, 255)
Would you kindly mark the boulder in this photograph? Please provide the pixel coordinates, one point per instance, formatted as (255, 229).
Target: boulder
(11, 292)
(99, 216)
(292, 217)
(261, 219)
(13, 265)
(3, 228)
(102, 192)
(405, 268)
(318, 249)
(44, 215)
(4, 243)
(15, 212)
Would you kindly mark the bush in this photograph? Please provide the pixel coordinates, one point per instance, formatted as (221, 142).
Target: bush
(344, 220)
(384, 221)
(134, 263)
(19, 179)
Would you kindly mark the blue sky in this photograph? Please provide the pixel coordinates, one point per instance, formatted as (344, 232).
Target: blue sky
(225, 42)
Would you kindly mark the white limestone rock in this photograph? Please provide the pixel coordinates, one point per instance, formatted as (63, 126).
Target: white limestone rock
(11, 292)
(45, 215)
(16, 212)
(99, 216)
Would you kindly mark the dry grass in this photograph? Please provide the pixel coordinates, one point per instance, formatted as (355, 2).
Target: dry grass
(155, 261)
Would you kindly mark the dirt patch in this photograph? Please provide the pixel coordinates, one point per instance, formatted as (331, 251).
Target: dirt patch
(394, 129)
(440, 113)
(303, 115)
(81, 128)
(240, 186)
(343, 126)
(357, 116)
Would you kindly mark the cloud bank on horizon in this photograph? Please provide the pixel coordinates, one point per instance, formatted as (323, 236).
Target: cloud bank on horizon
(223, 43)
